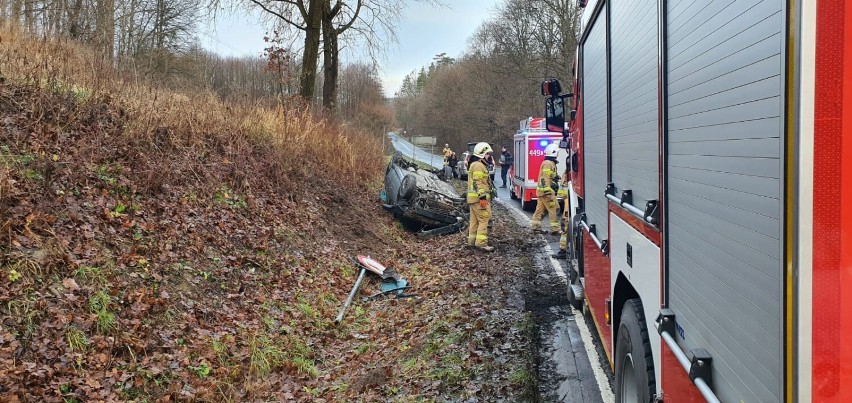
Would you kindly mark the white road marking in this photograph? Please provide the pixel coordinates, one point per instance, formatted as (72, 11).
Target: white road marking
(585, 333)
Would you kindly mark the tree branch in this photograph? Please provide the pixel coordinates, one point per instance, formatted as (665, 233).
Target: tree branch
(346, 26)
(279, 15)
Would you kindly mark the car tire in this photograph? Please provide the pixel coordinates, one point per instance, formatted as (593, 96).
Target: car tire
(407, 187)
(634, 364)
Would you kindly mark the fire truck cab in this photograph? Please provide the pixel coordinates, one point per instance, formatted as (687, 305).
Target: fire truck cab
(531, 139)
(712, 234)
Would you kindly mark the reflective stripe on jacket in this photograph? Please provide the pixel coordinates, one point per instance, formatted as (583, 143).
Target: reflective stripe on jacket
(478, 182)
(547, 178)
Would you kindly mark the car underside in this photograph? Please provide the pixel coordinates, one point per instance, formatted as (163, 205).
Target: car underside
(421, 200)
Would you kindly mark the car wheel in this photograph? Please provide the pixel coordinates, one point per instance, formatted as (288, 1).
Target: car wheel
(407, 187)
(634, 365)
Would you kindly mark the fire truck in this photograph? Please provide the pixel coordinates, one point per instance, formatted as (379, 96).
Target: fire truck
(711, 150)
(529, 144)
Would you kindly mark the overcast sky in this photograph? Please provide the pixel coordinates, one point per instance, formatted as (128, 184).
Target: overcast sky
(423, 33)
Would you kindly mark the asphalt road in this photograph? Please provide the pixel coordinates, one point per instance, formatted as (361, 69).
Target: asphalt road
(573, 365)
(412, 152)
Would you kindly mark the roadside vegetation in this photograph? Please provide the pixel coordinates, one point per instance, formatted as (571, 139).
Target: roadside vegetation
(162, 245)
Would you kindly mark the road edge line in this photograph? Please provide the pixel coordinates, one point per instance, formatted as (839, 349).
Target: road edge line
(592, 354)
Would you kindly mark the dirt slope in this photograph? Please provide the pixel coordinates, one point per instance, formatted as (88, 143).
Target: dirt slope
(179, 260)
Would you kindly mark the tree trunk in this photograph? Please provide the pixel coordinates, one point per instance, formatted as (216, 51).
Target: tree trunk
(15, 16)
(313, 25)
(105, 28)
(74, 12)
(331, 61)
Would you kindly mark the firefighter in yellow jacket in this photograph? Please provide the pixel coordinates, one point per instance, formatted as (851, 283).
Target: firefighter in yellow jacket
(480, 191)
(447, 153)
(564, 184)
(546, 192)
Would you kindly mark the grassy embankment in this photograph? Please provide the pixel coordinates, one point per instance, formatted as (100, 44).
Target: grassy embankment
(164, 245)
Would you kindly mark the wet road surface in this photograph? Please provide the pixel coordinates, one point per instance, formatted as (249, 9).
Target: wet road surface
(573, 367)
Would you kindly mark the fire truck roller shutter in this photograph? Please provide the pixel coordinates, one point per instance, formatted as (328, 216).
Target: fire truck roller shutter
(725, 67)
(635, 133)
(595, 126)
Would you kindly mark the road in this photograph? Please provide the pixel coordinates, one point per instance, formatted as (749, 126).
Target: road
(413, 152)
(573, 366)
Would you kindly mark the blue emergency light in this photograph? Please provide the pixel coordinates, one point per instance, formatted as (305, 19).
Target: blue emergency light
(543, 143)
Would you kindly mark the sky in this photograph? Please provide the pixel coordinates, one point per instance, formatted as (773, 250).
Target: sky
(424, 31)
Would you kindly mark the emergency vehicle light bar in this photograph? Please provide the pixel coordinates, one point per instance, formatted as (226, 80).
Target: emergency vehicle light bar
(698, 367)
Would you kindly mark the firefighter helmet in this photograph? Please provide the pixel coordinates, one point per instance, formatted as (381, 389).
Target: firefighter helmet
(551, 150)
(481, 149)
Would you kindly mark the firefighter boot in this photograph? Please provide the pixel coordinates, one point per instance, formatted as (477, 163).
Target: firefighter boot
(562, 254)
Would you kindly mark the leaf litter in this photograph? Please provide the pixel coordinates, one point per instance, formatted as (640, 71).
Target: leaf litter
(216, 283)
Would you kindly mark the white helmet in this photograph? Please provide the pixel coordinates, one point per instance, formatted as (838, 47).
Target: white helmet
(481, 149)
(551, 150)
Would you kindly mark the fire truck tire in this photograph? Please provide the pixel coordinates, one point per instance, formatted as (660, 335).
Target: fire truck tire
(634, 365)
(407, 187)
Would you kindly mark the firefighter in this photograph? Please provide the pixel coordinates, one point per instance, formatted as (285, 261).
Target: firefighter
(480, 191)
(447, 153)
(566, 212)
(546, 192)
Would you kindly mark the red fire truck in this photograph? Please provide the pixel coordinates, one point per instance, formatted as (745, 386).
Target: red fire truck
(712, 165)
(529, 144)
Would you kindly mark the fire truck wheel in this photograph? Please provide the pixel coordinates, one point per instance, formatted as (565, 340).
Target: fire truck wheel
(407, 187)
(634, 365)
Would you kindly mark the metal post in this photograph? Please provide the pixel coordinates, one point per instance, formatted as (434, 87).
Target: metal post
(351, 295)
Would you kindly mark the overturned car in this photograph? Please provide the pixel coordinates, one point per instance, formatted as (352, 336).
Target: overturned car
(421, 200)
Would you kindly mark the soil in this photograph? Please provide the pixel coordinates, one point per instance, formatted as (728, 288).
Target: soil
(214, 282)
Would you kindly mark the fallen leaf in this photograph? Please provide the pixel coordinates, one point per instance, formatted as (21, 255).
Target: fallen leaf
(70, 284)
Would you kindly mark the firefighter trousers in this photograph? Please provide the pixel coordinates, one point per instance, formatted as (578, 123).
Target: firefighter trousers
(477, 233)
(563, 238)
(550, 205)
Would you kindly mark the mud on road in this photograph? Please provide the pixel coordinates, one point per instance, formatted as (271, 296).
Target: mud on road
(556, 358)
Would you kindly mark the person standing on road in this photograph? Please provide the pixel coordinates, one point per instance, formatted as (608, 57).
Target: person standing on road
(566, 212)
(506, 162)
(547, 186)
(480, 191)
(453, 162)
(447, 152)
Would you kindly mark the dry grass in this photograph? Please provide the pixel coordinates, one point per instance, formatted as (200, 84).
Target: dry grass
(280, 139)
